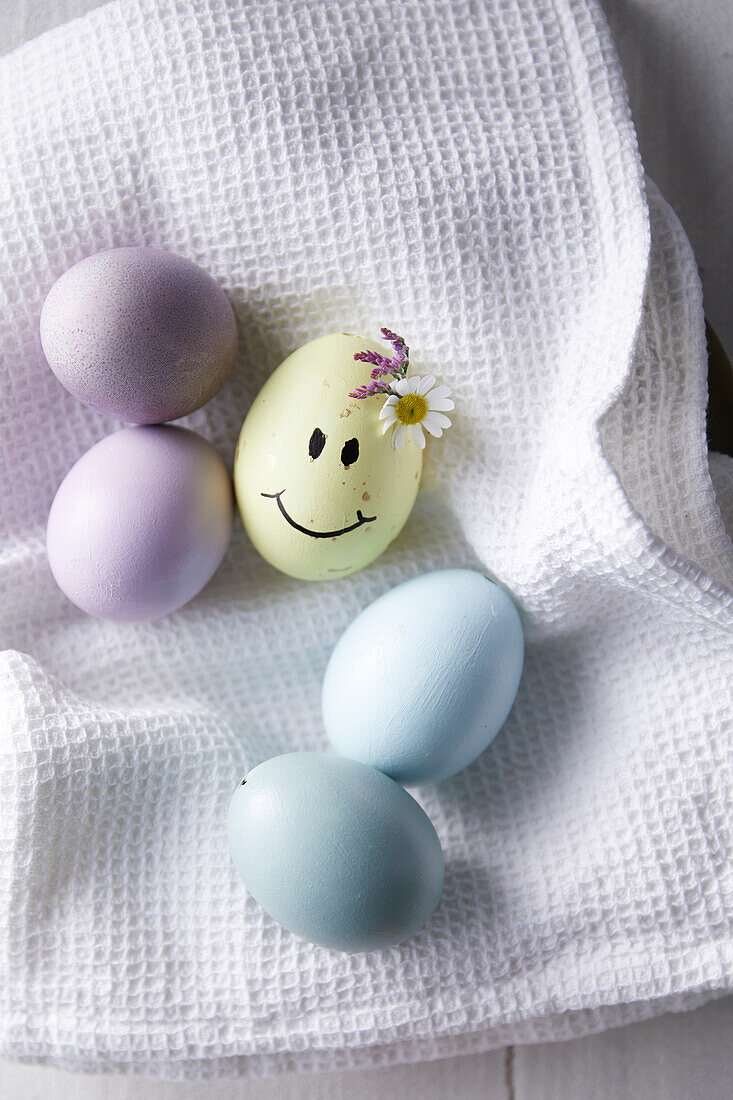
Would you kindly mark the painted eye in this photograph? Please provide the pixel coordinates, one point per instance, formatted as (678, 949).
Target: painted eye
(350, 452)
(317, 443)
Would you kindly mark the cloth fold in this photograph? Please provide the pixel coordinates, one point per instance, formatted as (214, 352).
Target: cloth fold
(467, 174)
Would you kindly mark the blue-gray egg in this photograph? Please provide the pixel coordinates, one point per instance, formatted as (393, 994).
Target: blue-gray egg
(423, 679)
(335, 851)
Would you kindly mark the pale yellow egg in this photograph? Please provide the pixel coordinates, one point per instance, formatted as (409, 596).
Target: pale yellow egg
(321, 490)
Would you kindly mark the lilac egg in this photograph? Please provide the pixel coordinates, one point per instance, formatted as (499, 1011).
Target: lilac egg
(140, 523)
(138, 333)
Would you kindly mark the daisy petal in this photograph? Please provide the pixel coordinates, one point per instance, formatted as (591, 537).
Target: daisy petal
(387, 410)
(388, 424)
(418, 435)
(441, 404)
(424, 384)
(398, 439)
(432, 424)
(440, 391)
(439, 418)
(403, 386)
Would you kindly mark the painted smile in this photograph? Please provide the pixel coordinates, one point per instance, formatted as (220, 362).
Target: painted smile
(360, 520)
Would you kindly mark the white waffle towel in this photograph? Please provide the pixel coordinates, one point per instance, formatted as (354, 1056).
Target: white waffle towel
(467, 174)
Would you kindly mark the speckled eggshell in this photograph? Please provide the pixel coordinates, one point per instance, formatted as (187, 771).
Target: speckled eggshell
(335, 851)
(140, 523)
(423, 679)
(140, 334)
(322, 517)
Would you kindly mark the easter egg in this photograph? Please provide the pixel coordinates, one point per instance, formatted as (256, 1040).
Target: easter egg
(320, 488)
(421, 682)
(139, 334)
(140, 523)
(335, 851)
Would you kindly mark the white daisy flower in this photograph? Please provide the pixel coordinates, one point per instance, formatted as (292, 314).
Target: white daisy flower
(416, 406)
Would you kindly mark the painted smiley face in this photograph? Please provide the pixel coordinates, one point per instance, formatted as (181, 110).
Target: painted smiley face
(320, 489)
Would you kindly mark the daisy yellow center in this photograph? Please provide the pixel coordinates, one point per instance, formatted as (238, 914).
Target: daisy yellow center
(412, 408)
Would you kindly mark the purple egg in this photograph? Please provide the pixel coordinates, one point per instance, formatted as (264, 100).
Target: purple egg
(140, 523)
(138, 333)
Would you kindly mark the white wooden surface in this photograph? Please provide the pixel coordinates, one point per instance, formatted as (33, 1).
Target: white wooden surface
(685, 1057)
(678, 60)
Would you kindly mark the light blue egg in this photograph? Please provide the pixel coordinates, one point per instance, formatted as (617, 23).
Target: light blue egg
(423, 679)
(335, 851)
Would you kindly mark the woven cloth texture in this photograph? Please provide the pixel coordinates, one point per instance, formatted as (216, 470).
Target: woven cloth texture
(467, 174)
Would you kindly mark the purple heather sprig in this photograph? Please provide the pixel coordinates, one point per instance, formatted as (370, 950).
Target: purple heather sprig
(397, 365)
(371, 389)
(414, 405)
